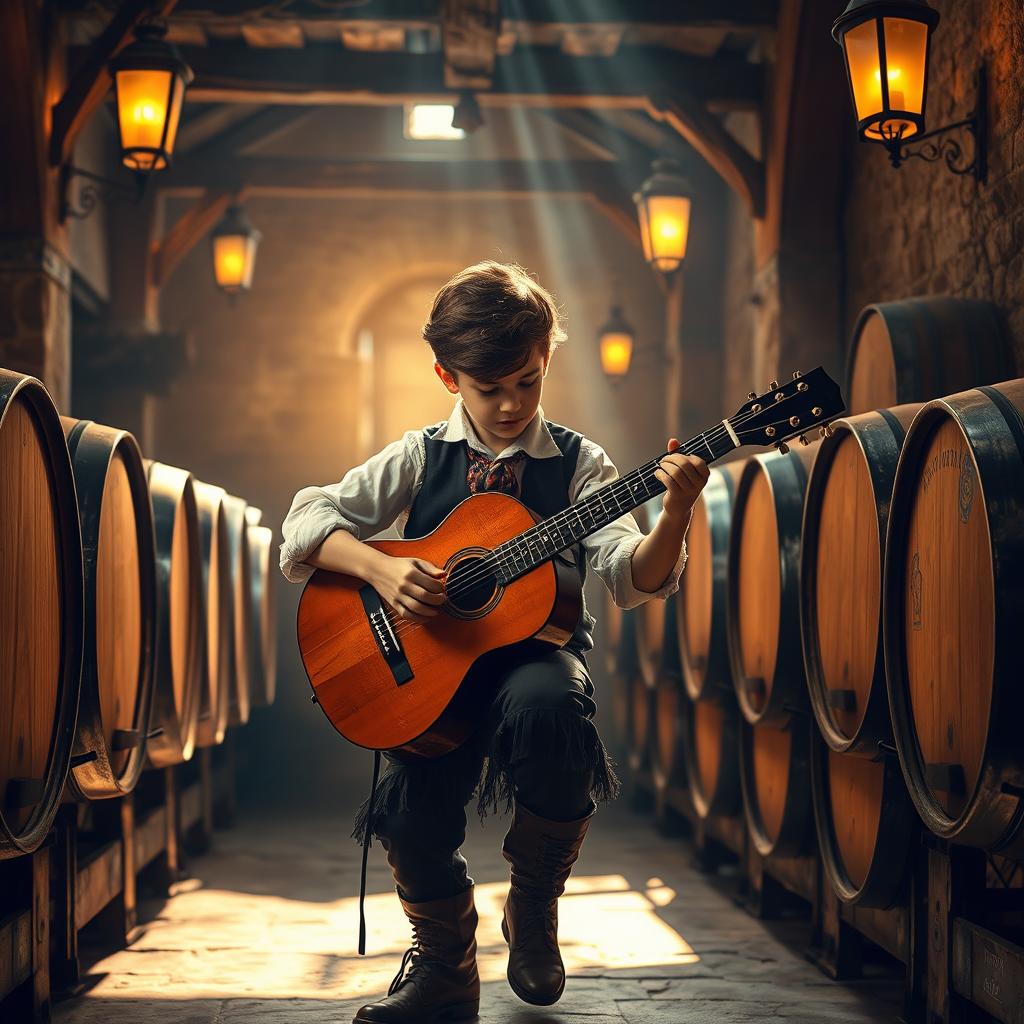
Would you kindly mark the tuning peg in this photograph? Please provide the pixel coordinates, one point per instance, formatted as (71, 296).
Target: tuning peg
(783, 448)
(803, 440)
(796, 374)
(751, 394)
(773, 385)
(826, 431)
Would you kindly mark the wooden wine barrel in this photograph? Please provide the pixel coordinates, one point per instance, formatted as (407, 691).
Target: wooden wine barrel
(118, 543)
(703, 592)
(711, 749)
(918, 349)
(241, 591)
(41, 612)
(953, 604)
(611, 632)
(264, 613)
(842, 553)
(215, 553)
(638, 755)
(181, 638)
(667, 729)
(763, 622)
(776, 784)
(865, 824)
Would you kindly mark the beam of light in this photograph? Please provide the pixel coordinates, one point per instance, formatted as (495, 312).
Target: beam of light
(214, 943)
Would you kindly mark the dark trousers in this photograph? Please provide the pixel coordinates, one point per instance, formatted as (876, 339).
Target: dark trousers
(540, 747)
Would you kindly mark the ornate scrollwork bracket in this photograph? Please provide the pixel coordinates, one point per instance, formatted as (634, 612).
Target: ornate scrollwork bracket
(94, 189)
(931, 148)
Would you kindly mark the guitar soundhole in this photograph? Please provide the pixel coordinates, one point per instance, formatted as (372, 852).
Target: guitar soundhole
(472, 589)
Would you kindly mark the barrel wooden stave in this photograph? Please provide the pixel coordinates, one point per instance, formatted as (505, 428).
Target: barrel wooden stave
(668, 763)
(116, 518)
(264, 613)
(220, 633)
(763, 621)
(241, 590)
(865, 824)
(711, 749)
(841, 557)
(953, 601)
(41, 612)
(703, 594)
(918, 349)
(181, 647)
(775, 782)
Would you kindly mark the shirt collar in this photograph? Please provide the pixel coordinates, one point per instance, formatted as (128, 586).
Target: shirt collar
(535, 440)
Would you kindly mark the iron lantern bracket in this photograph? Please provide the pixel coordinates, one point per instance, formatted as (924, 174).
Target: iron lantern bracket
(95, 189)
(929, 148)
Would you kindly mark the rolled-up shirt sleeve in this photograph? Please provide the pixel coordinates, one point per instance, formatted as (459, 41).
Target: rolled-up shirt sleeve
(610, 550)
(367, 500)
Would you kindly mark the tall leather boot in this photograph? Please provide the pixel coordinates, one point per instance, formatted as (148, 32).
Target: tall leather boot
(542, 853)
(442, 983)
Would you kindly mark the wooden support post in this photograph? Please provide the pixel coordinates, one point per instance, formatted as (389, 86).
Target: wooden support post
(225, 806)
(956, 881)
(129, 912)
(41, 934)
(764, 896)
(65, 976)
(170, 863)
(839, 949)
(206, 784)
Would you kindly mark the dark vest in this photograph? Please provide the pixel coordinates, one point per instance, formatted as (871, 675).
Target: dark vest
(544, 490)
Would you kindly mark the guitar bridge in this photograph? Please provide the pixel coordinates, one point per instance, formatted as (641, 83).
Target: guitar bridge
(385, 636)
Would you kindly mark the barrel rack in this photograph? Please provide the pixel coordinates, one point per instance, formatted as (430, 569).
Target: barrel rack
(955, 929)
(90, 869)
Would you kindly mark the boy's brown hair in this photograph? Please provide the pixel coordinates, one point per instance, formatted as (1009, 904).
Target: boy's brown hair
(488, 320)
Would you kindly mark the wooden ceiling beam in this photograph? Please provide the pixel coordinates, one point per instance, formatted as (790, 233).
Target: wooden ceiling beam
(324, 74)
(692, 14)
(91, 81)
(469, 39)
(258, 127)
(188, 231)
(282, 176)
(702, 130)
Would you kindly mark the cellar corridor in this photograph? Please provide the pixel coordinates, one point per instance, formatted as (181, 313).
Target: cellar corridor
(265, 929)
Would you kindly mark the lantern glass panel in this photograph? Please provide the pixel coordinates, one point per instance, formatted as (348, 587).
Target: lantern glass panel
(666, 229)
(142, 102)
(616, 350)
(862, 58)
(234, 257)
(906, 51)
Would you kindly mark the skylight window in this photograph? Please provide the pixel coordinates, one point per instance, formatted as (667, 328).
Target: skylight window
(431, 121)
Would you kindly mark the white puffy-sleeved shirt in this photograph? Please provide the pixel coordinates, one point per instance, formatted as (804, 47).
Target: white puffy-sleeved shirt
(380, 493)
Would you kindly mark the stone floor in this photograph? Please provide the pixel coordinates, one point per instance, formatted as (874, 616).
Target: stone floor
(265, 930)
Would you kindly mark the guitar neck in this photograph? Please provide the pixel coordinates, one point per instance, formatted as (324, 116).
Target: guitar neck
(527, 550)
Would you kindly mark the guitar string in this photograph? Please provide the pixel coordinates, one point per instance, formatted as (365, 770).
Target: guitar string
(622, 486)
(616, 489)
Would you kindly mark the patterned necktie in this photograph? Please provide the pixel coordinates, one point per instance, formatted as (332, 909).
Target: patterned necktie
(500, 475)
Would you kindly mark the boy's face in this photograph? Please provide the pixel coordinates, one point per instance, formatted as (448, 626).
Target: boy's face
(501, 409)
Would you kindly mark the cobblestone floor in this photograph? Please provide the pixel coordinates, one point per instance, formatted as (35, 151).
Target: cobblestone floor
(265, 930)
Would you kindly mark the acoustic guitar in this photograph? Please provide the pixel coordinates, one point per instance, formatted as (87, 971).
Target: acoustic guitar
(386, 683)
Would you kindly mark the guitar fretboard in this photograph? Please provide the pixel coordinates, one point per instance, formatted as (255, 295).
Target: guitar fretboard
(524, 552)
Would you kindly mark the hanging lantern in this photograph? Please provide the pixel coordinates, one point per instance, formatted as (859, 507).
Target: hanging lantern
(885, 45)
(234, 251)
(616, 343)
(663, 207)
(149, 88)
(466, 116)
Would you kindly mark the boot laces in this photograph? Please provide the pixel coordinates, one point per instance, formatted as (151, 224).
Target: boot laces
(421, 955)
(539, 906)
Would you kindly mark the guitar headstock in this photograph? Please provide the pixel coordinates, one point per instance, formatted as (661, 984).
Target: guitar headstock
(788, 410)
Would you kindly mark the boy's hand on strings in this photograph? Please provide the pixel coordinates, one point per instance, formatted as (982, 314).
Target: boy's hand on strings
(684, 477)
(414, 587)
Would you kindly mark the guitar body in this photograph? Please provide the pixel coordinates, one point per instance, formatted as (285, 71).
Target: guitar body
(389, 684)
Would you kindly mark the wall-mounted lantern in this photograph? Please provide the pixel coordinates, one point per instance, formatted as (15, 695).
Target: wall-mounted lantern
(663, 208)
(886, 46)
(149, 87)
(234, 242)
(150, 79)
(615, 340)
